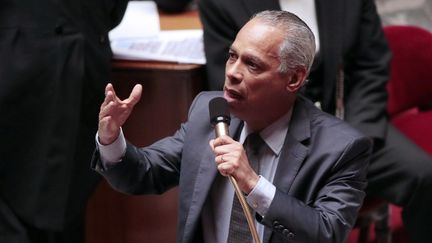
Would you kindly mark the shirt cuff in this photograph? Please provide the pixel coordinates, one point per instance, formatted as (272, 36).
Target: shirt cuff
(261, 196)
(112, 153)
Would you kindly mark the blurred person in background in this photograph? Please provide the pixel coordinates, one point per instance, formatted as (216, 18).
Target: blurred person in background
(54, 64)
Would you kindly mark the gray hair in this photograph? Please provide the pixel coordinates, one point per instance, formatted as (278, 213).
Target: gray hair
(298, 47)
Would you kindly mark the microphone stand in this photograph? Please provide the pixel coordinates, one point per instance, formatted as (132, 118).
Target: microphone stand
(220, 130)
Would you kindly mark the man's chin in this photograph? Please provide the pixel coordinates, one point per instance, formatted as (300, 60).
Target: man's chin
(234, 104)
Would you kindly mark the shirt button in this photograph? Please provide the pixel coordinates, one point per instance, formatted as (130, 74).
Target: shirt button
(255, 205)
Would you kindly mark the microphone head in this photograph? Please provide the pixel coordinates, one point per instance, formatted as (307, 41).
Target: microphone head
(219, 111)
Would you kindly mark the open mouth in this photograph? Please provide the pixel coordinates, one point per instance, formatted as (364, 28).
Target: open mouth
(232, 94)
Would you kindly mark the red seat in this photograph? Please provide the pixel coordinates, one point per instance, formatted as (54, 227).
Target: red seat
(410, 110)
(410, 86)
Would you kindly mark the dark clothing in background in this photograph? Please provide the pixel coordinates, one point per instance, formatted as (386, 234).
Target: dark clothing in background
(173, 6)
(54, 64)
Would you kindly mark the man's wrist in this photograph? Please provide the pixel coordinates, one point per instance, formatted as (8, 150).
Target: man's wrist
(261, 196)
(113, 152)
(107, 140)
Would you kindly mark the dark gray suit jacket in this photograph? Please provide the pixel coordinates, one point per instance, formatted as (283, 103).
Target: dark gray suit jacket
(320, 178)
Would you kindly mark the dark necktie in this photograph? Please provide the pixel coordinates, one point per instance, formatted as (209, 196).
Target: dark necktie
(239, 229)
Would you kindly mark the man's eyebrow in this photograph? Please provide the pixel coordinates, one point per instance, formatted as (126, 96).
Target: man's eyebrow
(249, 57)
(253, 58)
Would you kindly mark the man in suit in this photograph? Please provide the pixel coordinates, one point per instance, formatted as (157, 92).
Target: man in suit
(348, 79)
(310, 184)
(54, 64)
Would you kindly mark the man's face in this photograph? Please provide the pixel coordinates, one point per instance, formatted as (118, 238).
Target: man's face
(253, 85)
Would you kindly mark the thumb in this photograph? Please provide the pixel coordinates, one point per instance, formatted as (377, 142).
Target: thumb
(135, 95)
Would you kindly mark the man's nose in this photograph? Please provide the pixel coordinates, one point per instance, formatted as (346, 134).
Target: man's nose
(234, 72)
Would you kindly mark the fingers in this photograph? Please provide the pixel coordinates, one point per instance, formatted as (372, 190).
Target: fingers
(227, 154)
(107, 109)
(135, 95)
(211, 143)
(224, 144)
(112, 101)
(223, 140)
(114, 112)
(231, 160)
(224, 164)
(110, 88)
(108, 128)
(110, 95)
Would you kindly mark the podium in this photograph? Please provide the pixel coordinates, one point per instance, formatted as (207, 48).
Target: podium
(168, 90)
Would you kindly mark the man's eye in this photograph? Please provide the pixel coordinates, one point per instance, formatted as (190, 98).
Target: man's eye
(232, 56)
(252, 65)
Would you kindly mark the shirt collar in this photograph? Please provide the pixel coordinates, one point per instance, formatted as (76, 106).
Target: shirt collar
(273, 135)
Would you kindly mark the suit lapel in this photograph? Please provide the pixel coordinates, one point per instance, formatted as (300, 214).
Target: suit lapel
(293, 153)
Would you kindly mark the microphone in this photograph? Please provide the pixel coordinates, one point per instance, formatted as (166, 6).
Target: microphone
(219, 116)
(220, 119)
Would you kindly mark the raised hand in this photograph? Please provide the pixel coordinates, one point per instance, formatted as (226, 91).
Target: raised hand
(114, 113)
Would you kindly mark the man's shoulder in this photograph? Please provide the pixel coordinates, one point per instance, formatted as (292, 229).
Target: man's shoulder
(204, 97)
(328, 123)
(208, 95)
(201, 101)
(331, 134)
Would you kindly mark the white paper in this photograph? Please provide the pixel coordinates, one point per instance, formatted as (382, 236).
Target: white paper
(141, 20)
(138, 37)
(182, 46)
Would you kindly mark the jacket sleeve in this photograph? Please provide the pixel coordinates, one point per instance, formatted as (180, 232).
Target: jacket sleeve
(366, 72)
(149, 170)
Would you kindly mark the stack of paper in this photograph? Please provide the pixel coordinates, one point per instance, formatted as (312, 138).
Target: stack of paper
(138, 37)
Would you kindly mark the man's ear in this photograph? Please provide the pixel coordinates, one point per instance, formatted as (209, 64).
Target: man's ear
(296, 80)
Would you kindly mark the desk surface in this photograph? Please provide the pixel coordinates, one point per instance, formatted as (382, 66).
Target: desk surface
(185, 20)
